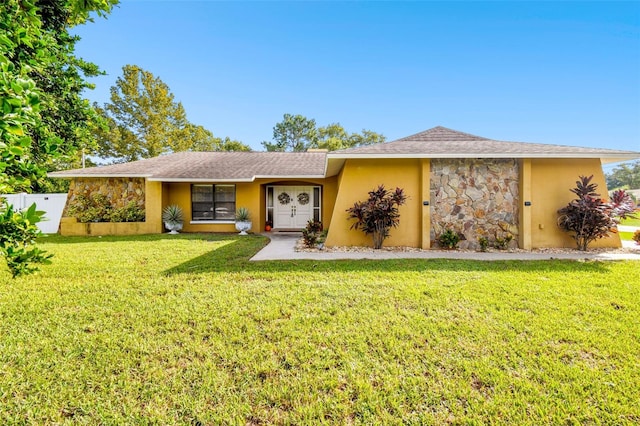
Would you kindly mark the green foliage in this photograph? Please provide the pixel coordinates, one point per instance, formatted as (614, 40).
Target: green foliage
(484, 243)
(93, 208)
(153, 330)
(243, 215)
(312, 233)
(377, 215)
(18, 232)
(334, 137)
(449, 239)
(502, 243)
(131, 212)
(98, 208)
(43, 118)
(172, 214)
(295, 133)
(298, 133)
(143, 120)
(589, 217)
(624, 176)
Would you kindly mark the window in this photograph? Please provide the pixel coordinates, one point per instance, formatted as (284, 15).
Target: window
(213, 202)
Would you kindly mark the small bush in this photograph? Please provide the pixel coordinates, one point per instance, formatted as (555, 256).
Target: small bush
(589, 217)
(98, 208)
(449, 239)
(636, 236)
(129, 213)
(484, 243)
(312, 233)
(93, 208)
(502, 243)
(378, 214)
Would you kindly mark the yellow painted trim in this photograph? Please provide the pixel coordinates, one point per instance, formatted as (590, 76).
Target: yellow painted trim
(524, 236)
(425, 181)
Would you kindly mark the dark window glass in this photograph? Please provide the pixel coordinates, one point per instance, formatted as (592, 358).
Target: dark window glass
(213, 202)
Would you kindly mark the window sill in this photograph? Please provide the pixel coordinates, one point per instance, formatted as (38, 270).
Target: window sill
(212, 222)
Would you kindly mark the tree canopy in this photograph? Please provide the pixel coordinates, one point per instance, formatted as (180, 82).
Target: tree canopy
(298, 133)
(624, 175)
(143, 120)
(43, 118)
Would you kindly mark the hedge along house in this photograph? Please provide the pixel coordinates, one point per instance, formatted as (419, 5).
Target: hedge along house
(474, 185)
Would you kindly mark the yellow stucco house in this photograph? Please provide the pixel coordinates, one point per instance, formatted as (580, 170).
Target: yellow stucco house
(475, 185)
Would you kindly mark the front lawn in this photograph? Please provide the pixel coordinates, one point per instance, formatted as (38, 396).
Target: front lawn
(184, 330)
(632, 222)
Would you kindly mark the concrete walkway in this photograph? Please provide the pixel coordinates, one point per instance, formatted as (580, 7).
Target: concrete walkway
(282, 247)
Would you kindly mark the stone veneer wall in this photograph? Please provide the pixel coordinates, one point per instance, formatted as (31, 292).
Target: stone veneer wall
(120, 191)
(476, 197)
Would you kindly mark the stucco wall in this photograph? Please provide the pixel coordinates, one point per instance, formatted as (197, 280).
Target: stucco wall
(551, 181)
(475, 197)
(357, 178)
(250, 195)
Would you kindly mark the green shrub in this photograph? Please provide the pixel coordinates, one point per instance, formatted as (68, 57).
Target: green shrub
(93, 208)
(18, 232)
(484, 243)
(502, 243)
(129, 213)
(449, 239)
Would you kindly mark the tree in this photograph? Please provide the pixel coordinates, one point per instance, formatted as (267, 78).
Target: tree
(143, 120)
(298, 133)
(41, 111)
(197, 138)
(294, 133)
(334, 137)
(589, 217)
(624, 175)
(377, 215)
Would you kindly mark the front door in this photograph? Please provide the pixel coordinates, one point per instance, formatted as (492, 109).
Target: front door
(293, 206)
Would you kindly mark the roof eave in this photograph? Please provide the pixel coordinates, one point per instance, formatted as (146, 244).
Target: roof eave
(236, 180)
(97, 175)
(610, 157)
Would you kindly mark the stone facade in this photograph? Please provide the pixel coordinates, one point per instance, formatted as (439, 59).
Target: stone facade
(476, 198)
(120, 191)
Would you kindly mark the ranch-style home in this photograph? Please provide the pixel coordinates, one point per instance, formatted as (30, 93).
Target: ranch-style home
(473, 185)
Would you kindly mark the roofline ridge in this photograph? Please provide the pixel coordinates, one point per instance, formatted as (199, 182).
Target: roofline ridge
(442, 128)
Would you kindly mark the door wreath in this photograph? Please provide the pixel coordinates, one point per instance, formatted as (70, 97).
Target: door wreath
(303, 198)
(284, 198)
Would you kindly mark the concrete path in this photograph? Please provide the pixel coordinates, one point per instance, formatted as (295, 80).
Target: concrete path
(282, 247)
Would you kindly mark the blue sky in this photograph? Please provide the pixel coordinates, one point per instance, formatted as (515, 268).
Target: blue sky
(548, 72)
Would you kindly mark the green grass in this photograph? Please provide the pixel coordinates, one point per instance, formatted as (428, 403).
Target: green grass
(184, 330)
(632, 222)
(626, 236)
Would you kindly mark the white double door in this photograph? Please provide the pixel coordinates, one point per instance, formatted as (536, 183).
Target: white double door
(293, 206)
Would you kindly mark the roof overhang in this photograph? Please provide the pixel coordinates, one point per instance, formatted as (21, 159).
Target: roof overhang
(236, 180)
(63, 175)
(605, 158)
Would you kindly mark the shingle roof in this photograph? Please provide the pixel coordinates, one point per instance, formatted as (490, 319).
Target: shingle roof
(438, 142)
(213, 166)
(441, 142)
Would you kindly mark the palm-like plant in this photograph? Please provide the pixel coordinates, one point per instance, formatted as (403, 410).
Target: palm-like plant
(589, 217)
(377, 215)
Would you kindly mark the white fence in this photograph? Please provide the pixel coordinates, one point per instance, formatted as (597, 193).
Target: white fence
(52, 204)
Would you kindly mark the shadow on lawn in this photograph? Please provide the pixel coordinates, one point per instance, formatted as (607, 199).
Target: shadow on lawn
(234, 257)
